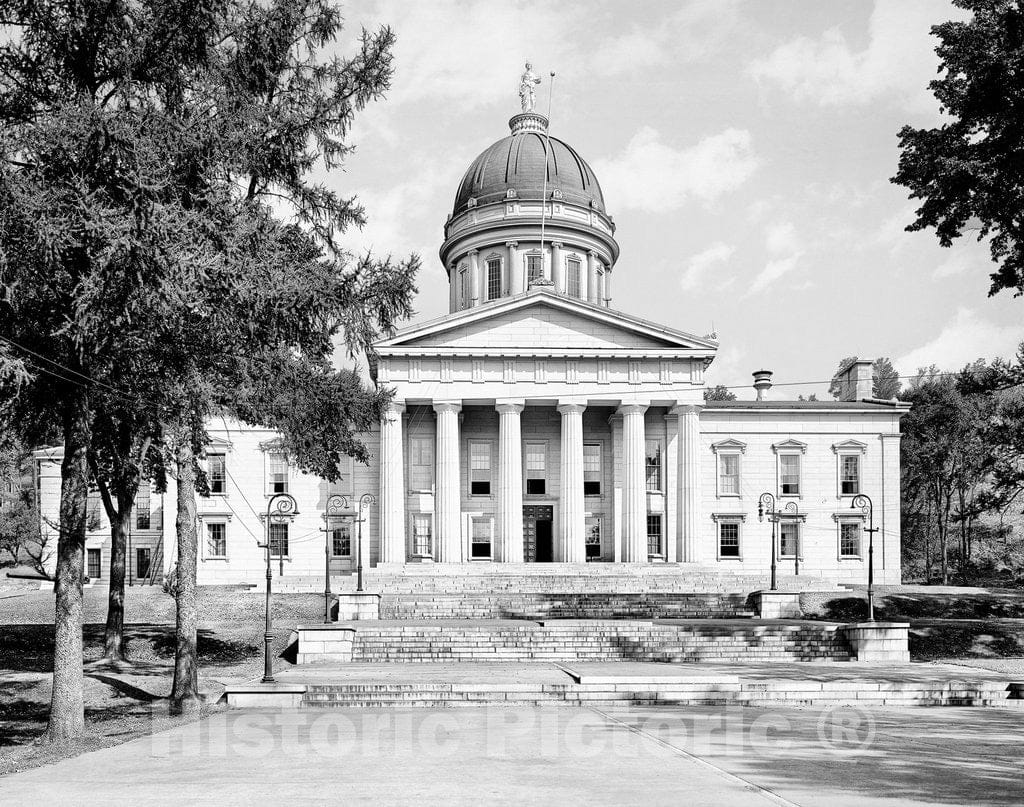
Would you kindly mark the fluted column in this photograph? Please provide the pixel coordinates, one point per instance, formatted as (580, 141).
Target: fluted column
(447, 499)
(392, 485)
(516, 281)
(571, 511)
(634, 494)
(593, 287)
(557, 272)
(608, 287)
(476, 283)
(689, 481)
(510, 483)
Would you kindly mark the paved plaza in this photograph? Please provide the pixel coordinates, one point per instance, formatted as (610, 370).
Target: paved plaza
(657, 755)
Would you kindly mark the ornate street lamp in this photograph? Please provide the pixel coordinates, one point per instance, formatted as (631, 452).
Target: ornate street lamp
(364, 501)
(766, 504)
(863, 501)
(281, 509)
(336, 506)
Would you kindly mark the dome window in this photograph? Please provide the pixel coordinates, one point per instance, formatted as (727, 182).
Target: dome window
(493, 278)
(534, 269)
(572, 280)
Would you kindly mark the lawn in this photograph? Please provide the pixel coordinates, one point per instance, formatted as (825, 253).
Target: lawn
(126, 702)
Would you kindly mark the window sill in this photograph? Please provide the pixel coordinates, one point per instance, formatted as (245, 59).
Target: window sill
(728, 558)
(851, 557)
(222, 558)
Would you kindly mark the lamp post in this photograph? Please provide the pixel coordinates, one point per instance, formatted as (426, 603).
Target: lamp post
(766, 504)
(365, 500)
(281, 508)
(864, 503)
(336, 505)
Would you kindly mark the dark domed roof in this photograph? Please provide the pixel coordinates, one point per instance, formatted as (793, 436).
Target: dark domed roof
(517, 162)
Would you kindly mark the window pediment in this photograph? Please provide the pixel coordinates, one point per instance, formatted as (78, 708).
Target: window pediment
(849, 446)
(790, 447)
(729, 445)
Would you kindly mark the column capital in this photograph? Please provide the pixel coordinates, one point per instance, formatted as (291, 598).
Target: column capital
(473, 253)
(509, 407)
(593, 253)
(686, 409)
(447, 406)
(394, 408)
(556, 244)
(511, 244)
(631, 408)
(565, 407)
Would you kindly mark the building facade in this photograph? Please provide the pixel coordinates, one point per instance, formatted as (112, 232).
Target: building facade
(535, 423)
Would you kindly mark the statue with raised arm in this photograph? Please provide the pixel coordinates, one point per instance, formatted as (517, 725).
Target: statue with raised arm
(526, 84)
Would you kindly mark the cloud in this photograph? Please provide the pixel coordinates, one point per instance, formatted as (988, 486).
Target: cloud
(966, 338)
(472, 53)
(782, 242)
(699, 265)
(653, 177)
(896, 64)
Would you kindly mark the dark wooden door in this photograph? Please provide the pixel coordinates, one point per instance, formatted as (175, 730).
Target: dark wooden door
(538, 541)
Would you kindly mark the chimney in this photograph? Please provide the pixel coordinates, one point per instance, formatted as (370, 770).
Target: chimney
(857, 384)
(762, 382)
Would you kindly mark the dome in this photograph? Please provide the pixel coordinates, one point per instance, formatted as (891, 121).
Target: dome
(516, 163)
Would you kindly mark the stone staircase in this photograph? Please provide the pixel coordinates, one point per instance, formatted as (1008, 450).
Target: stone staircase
(591, 640)
(659, 690)
(578, 605)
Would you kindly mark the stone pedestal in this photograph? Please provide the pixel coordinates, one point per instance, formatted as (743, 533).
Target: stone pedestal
(358, 606)
(879, 641)
(258, 695)
(324, 644)
(778, 604)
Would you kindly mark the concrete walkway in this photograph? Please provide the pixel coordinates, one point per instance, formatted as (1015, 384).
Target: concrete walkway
(732, 757)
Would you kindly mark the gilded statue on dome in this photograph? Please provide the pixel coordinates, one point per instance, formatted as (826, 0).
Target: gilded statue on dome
(526, 84)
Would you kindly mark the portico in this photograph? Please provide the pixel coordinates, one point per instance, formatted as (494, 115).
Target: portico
(603, 404)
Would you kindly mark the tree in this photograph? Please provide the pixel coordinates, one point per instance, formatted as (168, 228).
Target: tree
(967, 171)
(142, 144)
(885, 381)
(719, 393)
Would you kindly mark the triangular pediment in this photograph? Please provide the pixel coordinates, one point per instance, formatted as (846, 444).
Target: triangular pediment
(542, 320)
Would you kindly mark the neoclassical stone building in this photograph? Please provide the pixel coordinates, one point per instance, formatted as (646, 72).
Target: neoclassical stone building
(536, 423)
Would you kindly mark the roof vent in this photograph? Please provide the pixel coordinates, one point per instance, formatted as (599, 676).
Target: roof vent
(762, 382)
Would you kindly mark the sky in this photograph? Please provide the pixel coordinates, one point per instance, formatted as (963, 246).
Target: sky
(744, 150)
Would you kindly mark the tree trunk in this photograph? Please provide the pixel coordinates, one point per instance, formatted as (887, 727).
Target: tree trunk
(185, 689)
(113, 633)
(67, 707)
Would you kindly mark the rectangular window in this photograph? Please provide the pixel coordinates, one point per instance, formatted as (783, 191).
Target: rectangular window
(593, 537)
(216, 540)
(789, 539)
(142, 507)
(591, 469)
(493, 278)
(94, 564)
(341, 541)
(572, 277)
(536, 469)
(421, 463)
(789, 472)
(849, 476)
(654, 535)
(653, 465)
(729, 539)
(422, 538)
(480, 546)
(534, 269)
(216, 473)
(142, 557)
(94, 509)
(344, 484)
(279, 540)
(277, 472)
(464, 288)
(480, 469)
(729, 475)
(849, 539)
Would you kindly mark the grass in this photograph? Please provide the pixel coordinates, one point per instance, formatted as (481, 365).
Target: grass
(128, 701)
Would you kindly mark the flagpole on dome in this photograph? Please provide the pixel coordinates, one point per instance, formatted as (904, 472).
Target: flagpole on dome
(544, 185)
